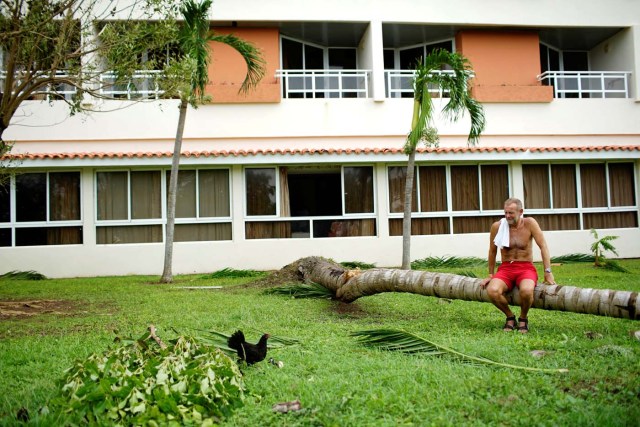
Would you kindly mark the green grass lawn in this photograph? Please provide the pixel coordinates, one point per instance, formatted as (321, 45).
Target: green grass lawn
(339, 382)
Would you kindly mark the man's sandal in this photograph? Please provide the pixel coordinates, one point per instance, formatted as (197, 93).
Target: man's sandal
(524, 328)
(508, 327)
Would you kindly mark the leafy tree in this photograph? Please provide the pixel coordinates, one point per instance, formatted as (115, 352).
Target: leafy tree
(456, 85)
(60, 49)
(194, 39)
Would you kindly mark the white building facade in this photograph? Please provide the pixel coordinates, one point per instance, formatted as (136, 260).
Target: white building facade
(311, 162)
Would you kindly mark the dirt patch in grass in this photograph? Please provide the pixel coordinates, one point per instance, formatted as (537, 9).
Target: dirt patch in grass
(286, 275)
(29, 308)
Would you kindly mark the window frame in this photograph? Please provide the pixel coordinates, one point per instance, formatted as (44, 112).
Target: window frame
(200, 219)
(13, 224)
(580, 209)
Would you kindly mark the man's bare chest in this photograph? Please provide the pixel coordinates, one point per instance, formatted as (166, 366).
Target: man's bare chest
(519, 238)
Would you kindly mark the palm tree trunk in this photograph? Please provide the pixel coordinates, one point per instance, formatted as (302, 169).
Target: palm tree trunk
(406, 221)
(349, 285)
(167, 274)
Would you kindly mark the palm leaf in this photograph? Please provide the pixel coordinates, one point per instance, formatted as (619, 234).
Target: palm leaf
(405, 342)
(302, 290)
(251, 56)
(575, 257)
(23, 275)
(614, 266)
(447, 261)
(467, 274)
(357, 264)
(232, 273)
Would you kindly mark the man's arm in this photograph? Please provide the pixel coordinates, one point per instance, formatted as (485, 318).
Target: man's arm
(493, 252)
(538, 236)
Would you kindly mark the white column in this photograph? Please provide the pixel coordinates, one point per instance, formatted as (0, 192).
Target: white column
(88, 203)
(517, 182)
(237, 203)
(382, 200)
(371, 57)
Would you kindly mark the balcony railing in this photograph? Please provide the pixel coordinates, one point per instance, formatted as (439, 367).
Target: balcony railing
(49, 92)
(587, 84)
(142, 85)
(324, 83)
(399, 84)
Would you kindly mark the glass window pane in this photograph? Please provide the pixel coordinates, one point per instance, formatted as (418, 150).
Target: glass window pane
(129, 234)
(433, 189)
(202, 232)
(5, 200)
(112, 195)
(495, 186)
(64, 196)
(358, 189)
(464, 188)
(594, 185)
(31, 197)
(214, 193)
(145, 195)
(261, 191)
(5, 237)
(186, 194)
(536, 186)
(397, 182)
(621, 184)
(563, 181)
(48, 236)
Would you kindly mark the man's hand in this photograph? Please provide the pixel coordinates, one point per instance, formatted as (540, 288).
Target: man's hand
(548, 279)
(485, 282)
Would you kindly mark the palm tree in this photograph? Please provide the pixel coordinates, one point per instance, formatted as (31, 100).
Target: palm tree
(348, 285)
(455, 84)
(194, 39)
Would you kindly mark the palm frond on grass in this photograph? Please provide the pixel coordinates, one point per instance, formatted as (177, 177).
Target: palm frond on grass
(447, 261)
(23, 275)
(614, 266)
(302, 290)
(220, 339)
(357, 264)
(230, 273)
(575, 257)
(405, 342)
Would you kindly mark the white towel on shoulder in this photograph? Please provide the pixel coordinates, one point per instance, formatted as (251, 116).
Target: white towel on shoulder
(502, 237)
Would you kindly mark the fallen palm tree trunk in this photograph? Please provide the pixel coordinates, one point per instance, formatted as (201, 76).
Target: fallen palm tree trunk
(349, 285)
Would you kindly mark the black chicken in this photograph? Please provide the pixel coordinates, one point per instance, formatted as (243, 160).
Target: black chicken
(250, 353)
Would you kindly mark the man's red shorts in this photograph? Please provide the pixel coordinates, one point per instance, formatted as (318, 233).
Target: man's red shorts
(514, 272)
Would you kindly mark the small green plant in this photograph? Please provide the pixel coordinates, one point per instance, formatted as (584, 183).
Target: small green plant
(599, 247)
(186, 383)
(302, 290)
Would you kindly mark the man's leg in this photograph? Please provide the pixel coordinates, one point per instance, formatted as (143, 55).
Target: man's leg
(496, 290)
(526, 288)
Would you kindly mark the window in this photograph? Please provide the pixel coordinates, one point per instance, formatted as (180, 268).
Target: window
(203, 205)
(310, 201)
(47, 209)
(602, 197)
(128, 207)
(447, 198)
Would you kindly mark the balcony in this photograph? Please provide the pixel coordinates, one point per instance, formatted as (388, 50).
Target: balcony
(142, 85)
(399, 84)
(587, 84)
(324, 83)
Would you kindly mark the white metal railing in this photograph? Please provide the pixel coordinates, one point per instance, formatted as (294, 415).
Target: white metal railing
(50, 91)
(142, 85)
(587, 84)
(324, 83)
(399, 84)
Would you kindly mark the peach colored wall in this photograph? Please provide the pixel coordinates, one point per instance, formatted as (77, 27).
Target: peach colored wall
(506, 65)
(227, 68)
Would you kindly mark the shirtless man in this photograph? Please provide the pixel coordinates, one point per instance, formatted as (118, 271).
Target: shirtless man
(517, 267)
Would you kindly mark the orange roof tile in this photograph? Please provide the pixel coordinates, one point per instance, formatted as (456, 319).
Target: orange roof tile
(314, 151)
